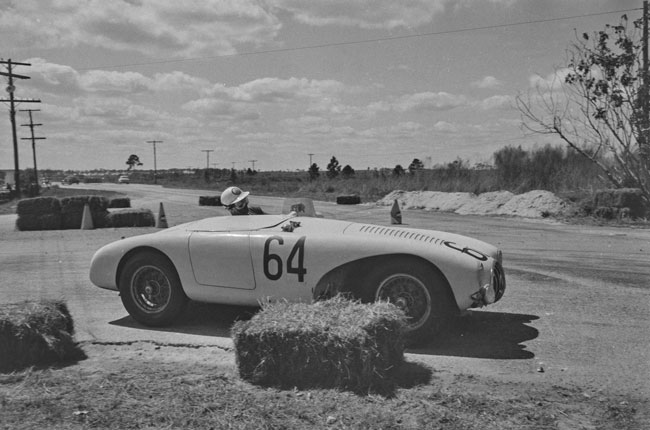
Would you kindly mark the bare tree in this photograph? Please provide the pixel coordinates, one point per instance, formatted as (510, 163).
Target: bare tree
(597, 104)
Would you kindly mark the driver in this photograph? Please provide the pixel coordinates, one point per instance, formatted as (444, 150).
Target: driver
(236, 202)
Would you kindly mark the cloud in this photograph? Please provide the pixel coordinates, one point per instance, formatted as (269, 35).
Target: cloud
(428, 101)
(367, 14)
(487, 82)
(179, 28)
(497, 102)
(60, 79)
(552, 82)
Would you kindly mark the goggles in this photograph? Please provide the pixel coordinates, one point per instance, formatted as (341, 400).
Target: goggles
(239, 205)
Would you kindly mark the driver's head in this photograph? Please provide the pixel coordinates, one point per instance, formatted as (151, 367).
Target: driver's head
(234, 199)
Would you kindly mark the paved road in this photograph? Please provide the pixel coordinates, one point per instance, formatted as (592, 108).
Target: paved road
(576, 305)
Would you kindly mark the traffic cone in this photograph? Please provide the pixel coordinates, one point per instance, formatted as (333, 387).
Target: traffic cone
(87, 219)
(395, 214)
(161, 222)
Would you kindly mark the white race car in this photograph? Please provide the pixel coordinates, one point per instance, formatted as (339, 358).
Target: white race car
(244, 260)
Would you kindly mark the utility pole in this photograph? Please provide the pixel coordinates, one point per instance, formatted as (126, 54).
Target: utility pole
(12, 111)
(31, 126)
(310, 155)
(155, 167)
(207, 153)
(645, 142)
(253, 163)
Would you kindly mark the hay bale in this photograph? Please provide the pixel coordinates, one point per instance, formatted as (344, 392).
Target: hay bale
(329, 344)
(119, 202)
(131, 218)
(630, 198)
(72, 209)
(36, 333)
(348, 200)
(209, 200)
(40, 213)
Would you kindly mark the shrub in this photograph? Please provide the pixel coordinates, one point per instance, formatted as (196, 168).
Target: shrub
(40, 213)
(630, 198)
(329, 344)
(36, 333)
(131, 218)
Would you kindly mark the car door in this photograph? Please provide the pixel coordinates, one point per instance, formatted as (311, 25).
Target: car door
(222, 259)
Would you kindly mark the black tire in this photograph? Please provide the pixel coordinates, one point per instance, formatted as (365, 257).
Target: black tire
(418, 289)
(151, 290)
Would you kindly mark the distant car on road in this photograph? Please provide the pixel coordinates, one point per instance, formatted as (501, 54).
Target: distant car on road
(123, 179)
(69, 180)
(243, 260)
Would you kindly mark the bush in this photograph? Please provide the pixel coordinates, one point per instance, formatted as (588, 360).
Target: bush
(36, 333)
(72, 209)
(119, 202)
(618, 199)
(40, 213)
(328, 344)
(209, 200)
(131, 218)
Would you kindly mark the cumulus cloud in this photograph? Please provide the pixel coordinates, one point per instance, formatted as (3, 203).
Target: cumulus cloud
(497, 102)
(368, 14)
(551, 82)
(179, 28)
(487, 82)
(429, 101)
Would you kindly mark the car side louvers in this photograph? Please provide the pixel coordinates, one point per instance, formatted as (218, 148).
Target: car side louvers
(398, 233)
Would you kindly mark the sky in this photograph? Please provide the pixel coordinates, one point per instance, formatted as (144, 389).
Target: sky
(279, 84)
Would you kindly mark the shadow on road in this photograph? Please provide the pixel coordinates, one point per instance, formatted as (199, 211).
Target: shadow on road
(482, 334)
(202, 319)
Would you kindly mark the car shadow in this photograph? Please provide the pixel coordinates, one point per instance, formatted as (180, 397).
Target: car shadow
(484, 334)
(478, 334)
(204, 319)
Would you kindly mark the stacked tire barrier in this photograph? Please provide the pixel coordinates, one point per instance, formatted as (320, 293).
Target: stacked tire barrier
(348, 200)
(209, 200)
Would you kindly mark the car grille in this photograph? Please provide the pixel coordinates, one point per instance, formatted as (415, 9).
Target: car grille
(498, 281)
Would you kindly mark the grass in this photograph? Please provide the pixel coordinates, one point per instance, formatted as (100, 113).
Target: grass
(139, 387)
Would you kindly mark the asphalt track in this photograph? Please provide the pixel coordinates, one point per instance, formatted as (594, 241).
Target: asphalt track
(575, 310)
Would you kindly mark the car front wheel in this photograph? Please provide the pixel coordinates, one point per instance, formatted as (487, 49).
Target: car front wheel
(151, 290)
(418, 290)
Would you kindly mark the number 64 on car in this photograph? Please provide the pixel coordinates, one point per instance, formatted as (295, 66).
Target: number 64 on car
(244, 260)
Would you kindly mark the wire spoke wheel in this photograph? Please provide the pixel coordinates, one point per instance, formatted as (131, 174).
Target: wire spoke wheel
(151, 289)
(410, 295)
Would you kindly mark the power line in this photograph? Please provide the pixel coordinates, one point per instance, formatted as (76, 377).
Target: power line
(358, 42)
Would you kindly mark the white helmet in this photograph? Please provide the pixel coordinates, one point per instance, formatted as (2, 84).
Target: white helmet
(232, 195)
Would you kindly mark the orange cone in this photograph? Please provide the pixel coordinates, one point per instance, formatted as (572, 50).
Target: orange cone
(395, 214)
(87, 219)
(161, 222)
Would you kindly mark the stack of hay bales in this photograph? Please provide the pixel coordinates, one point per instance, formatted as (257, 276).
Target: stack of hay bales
(329, 344)
(33, 333)
(619, 203)
(119, 202)
(131, 218)
(72, 209)
(40, 213)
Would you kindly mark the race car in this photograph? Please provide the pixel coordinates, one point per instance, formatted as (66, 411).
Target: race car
(245, 260)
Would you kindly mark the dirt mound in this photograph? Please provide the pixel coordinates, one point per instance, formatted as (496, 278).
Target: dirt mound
(533, 204)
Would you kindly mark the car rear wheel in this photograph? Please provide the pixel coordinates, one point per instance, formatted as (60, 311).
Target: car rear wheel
(151, 290)
(417, 289)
